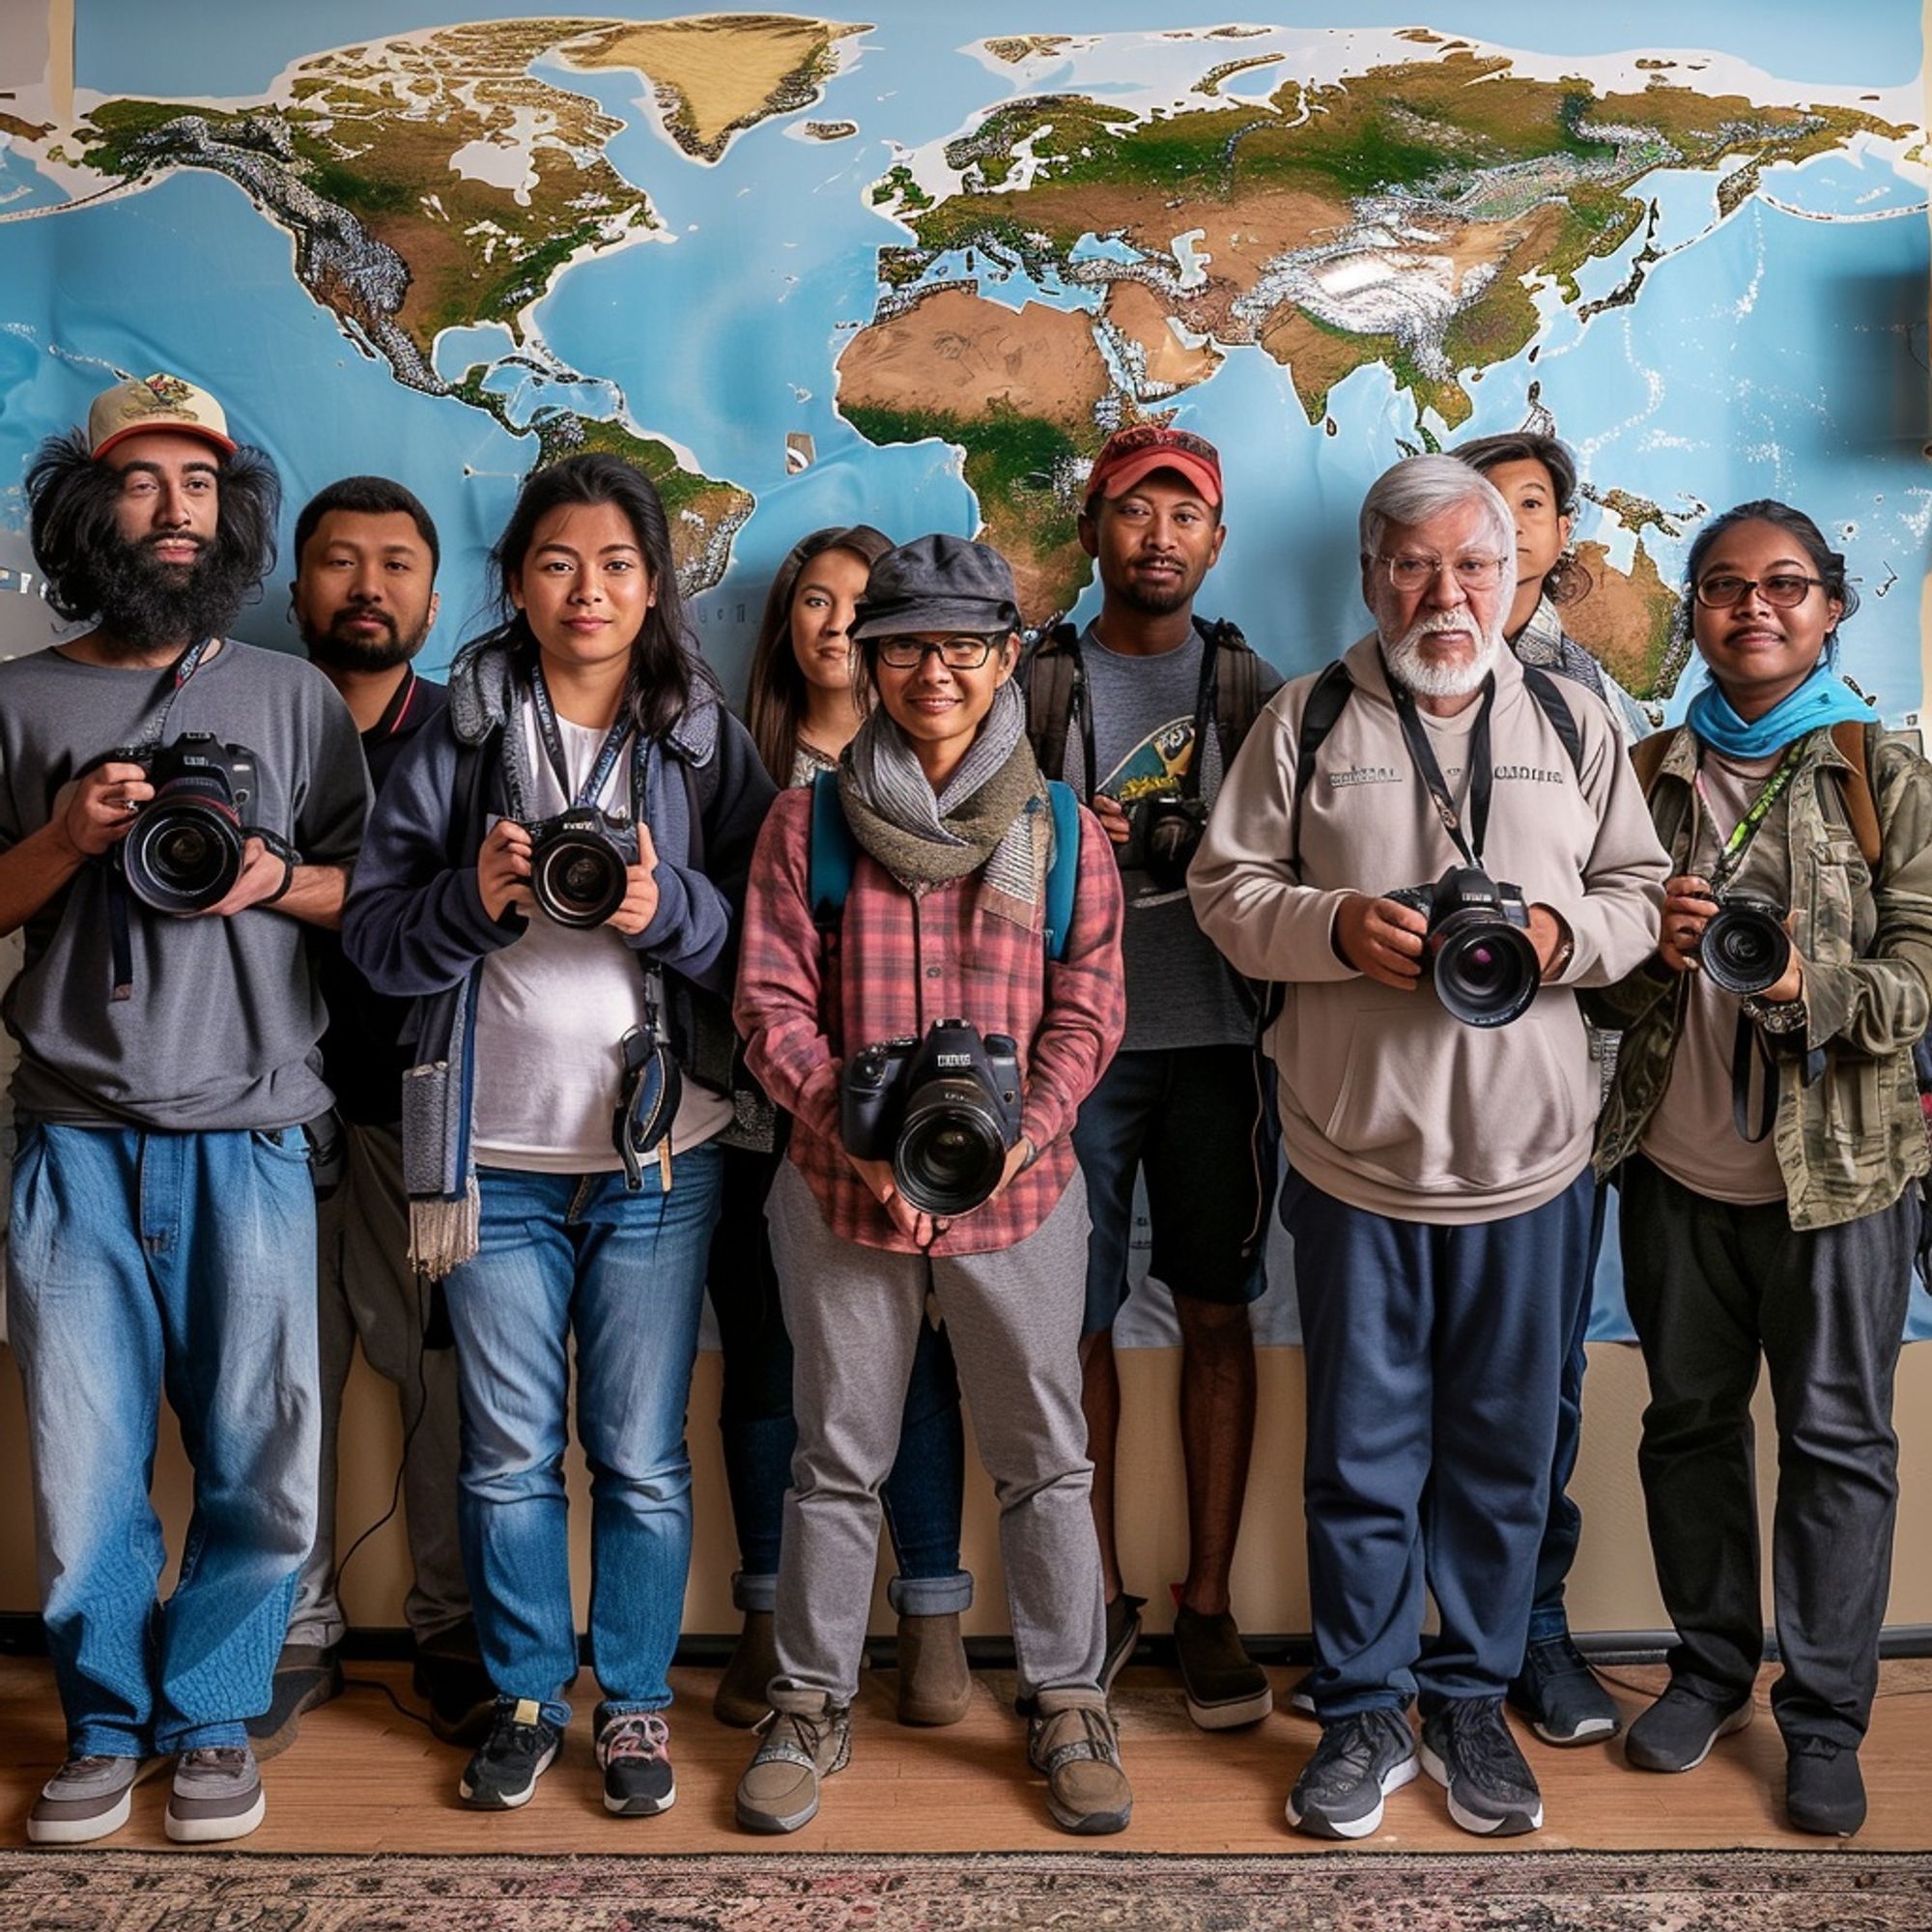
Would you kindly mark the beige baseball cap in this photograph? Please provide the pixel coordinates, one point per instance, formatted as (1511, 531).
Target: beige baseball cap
(154, 402)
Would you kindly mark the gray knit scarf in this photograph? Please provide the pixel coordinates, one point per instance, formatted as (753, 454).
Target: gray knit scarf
(991, 812)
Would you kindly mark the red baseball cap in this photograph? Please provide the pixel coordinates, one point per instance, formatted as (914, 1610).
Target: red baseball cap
(1133, 453)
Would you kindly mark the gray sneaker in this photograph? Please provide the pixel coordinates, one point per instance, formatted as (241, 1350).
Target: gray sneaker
(805, 1740)
(86, 1798)
(217, 1795)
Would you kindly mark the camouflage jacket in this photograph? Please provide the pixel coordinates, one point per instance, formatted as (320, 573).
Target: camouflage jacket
(1850, 1135)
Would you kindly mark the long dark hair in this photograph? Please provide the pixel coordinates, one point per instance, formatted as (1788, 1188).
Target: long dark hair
(1827, 563)
(775, 690)
(93, 571)
(666, 670)
(1566, 579)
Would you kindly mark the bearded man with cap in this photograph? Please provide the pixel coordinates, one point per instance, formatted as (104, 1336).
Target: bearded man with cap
(163, 1210)
(1439, 1123)
(1142, 712)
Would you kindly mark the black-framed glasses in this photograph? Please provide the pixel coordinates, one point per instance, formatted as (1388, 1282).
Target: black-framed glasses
(1784, 589)
(1415, 573)
(964, 653)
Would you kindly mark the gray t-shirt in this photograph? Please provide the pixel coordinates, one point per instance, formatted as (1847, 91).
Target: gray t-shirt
(1181, 992)
(222, 1026)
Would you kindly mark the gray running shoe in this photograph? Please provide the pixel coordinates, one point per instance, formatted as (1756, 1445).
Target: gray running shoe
(1360, 1760)
(217, 1795)
(86, 1798)
(1467, 1749)
(803, 1741)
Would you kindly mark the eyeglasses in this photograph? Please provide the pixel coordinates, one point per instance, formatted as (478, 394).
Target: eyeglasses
(1472, 573)
(1783, 590)
(954, 653)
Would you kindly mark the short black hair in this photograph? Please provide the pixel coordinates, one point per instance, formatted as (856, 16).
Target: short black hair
(368, 496)
(1483, 453)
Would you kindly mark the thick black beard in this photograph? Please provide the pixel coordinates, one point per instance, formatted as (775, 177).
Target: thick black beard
(146, 604)
(1151, 604)
(345, 654)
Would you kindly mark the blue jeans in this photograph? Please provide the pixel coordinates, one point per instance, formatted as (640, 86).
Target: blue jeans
(565, 1255)
(139, 1262)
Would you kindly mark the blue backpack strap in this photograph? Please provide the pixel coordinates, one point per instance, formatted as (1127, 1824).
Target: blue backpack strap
(832, 853)
(1062, 873)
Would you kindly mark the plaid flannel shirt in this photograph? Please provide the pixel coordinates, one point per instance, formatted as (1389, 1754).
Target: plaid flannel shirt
(897, 962)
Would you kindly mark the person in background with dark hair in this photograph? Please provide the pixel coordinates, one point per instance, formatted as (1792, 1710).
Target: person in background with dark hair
(574, 1054)
(1536, 476)
(803, 705)
(1770, 1146)
(364, 599)
(163, 1214)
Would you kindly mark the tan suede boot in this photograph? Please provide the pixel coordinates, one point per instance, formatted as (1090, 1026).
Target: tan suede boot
(935, 1686)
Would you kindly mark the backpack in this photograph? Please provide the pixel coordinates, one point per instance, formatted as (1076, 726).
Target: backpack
(1056, 693)
(831, 854)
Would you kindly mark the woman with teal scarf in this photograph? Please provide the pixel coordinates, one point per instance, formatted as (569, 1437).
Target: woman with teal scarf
(1769, 1145)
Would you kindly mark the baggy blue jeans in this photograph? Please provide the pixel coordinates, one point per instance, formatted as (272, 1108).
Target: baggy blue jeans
(565, 1255)
(139, 1262)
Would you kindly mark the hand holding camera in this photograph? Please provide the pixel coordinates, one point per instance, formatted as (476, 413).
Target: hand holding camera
(1164, 832)
(503, 870)
(95, 811)
(1741, 942)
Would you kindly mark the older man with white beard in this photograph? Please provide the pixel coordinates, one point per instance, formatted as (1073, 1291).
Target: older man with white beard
(1438, 1119)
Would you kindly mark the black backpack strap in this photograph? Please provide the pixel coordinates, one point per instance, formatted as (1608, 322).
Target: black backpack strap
(1053, 688)
(1237, 686)
(1327, 701)
(1562, 720)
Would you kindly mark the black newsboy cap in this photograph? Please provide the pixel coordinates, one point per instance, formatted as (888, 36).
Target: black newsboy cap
(938, 583)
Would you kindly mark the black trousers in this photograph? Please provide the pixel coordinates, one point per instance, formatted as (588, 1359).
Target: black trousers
(1711, 1288)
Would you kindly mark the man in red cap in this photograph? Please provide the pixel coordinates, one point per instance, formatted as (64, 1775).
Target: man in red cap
(1142, 712)
(175, 808)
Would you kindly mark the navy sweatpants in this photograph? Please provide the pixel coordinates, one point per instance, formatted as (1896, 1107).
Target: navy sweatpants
(1435, 1356)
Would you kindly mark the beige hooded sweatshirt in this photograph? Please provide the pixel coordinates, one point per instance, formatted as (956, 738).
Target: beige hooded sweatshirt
(1387, 1102)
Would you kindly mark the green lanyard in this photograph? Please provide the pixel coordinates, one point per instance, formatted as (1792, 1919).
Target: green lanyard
(1747, 828)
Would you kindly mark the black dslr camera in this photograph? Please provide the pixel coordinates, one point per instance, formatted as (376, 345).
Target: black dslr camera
(944, 1111)
(1163, 835)
(1744, 949)
(578, 862)
(184, 854)
(1477, 947)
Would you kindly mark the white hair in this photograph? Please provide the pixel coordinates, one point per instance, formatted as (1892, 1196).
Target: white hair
(1420, 488)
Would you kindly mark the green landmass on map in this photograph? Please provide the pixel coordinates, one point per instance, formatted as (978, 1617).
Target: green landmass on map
(1410, 218)
(430, 181)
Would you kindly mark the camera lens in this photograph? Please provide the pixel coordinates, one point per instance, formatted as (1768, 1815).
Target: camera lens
(1485, 970)
(951, 1151)
(1744, 949)
(578, 881)
(184, 855)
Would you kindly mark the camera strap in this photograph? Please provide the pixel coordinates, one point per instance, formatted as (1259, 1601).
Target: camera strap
(592, 788)
(1731, 856)
(120, 936)
(1480, 773)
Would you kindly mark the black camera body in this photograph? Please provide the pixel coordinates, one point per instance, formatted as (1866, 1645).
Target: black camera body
(1745, 948)
(1477, 947)
(945, 1111)
(183, 852)
(1163, 835)
(578, 863)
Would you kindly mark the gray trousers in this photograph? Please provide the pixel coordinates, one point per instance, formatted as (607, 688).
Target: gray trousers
(1711, 1288)
(368, 1289)
(1013, 1318)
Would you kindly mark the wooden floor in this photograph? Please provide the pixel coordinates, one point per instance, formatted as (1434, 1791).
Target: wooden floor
(364, 1777)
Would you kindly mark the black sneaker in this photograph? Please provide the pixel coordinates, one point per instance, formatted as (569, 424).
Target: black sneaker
(1468, 1749)
(1677, 1732)
(1824, 1791)
(1559, 1692)
(634, 1750)
(1359, 1761)
(306, 1675)
(517, 1753)
(1225, 1687)
(1123, 1633)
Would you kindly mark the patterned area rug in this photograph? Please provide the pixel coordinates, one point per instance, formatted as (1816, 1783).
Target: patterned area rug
(1563, 1891)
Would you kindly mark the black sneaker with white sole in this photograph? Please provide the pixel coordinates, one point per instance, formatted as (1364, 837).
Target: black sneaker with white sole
(1559, 1692)
(1467, 1749)
(518, 1750)
(1677, 1732)
(1359, 1761)
(634, 1752)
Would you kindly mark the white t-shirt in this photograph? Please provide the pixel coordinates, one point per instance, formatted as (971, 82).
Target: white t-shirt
(553, 1005)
